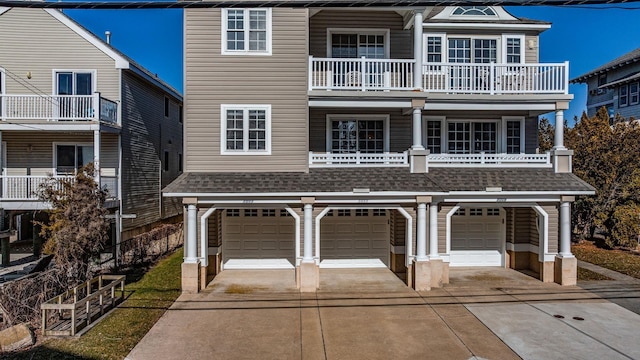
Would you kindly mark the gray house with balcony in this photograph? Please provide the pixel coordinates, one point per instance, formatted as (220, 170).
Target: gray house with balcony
(68, 98)
(388, 137)
(615, 86)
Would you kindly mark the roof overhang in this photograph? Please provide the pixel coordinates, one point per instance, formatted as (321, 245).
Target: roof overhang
(624, 80)
(486, 26)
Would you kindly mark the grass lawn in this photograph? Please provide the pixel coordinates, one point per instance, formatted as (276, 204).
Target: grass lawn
(586, 275)
(617, 260)
(120, 331)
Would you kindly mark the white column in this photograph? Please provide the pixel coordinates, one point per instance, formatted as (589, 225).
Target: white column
(565, 229)
(421, 233)
(96, 155)
(308, 233)
(558, 141)
(417, 48)
(192, 234)
(433, 231)
(417, 129)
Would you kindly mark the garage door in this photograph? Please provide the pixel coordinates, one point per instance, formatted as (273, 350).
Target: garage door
(355, 236)
(258, 234)
(477, 237)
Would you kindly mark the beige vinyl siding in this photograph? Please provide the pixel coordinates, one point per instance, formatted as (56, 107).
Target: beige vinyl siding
(401, 41)
(522, 226)
(32, 153)
(531, 55)
(399, 127)
(213, 79)
(32, 41)
(146, 134)
(554, 228)
(399, 229)
(509, 236)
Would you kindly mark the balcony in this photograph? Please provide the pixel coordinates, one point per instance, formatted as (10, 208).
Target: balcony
(58, 108)
(25, 187)
(358, 159)
(449, 78)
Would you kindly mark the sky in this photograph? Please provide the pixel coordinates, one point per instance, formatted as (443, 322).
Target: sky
(586, 36)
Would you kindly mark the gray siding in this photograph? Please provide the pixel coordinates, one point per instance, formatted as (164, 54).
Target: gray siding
(146, 134)
(32, 41)
(531, 55)
(32, 153)
(213, 79)
(401, 46)
(596, 99)
(530, 135)
(399, 127)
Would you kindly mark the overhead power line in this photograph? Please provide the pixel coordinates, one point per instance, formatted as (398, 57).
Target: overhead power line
(292, 3)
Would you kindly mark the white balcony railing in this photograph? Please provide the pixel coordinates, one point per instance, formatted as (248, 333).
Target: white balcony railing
(58, 108)
(489, 160)
(358, 159)
(454, 78)
(25, 187)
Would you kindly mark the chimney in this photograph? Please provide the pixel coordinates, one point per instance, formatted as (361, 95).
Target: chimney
(108, 35)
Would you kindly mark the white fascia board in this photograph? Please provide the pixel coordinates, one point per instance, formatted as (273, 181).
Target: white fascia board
(381, 194)
(518, 193)
(359, 104)
(488, 26)
(495, 106)
(121, 62)
(4, 9)
(54, 126)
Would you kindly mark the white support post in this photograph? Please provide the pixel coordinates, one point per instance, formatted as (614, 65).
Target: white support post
(192, 234)
(204, 236)
(433, 231)
(308, 233)
(421, 235)
(417, 48)
(417, 129)
(558, 141)
(565, 229)
(96, 156)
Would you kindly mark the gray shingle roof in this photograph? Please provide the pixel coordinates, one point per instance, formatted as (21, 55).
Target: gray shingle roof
(630, 57)
(328, 180)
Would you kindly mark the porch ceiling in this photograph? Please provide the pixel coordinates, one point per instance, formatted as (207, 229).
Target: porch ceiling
(377, 180)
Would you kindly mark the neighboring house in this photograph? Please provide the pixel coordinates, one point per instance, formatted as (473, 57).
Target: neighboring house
(69, 99)
(386, 137)
(615, 86)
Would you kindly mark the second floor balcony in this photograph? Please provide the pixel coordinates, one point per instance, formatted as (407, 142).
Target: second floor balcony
(47, 108)
(365, 74)
(26, 187)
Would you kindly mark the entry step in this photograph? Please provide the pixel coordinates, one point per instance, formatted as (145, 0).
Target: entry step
(246, 264)
(351, 263)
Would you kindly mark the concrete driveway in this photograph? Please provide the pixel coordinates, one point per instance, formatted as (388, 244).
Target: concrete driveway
(491, 313)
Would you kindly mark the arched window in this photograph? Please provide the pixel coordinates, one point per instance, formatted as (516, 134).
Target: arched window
(474, 11)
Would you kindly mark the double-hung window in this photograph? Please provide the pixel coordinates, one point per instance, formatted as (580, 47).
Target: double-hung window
(246, 31)
(246, 129)
(623, 96)
(634, 98)
(513, 49)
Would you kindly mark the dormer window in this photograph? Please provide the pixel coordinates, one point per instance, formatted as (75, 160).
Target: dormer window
(474, 11)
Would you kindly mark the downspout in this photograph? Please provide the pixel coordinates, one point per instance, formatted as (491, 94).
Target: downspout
(204, 243)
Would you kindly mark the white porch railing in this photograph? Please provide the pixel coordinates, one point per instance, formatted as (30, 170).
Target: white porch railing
(23, 187)
(110, 183)
(360, 74)
(455, 78)
(358, 159)
(495, 78)
(489, 160)
(58, 108)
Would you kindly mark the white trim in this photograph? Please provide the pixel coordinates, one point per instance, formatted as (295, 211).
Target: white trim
(351, 104)
(463, 105)
(257, 264)
(503, 134)
(245, 108)
(4, 9)
(408, 240)
(67, 143)
(443, 130)
(246, 51)
(487, 26)
(360, 31)
(443, 45)
(544, 234)
(317, 232)
(121, 62)
(94, 79)
(503, 58)
(57, 126)
(448, 229)
(357, 117)
(296, 234)
(204, 236)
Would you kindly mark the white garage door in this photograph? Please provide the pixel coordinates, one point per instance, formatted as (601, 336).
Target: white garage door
(357, 238)
(477, 237)
(258, 234)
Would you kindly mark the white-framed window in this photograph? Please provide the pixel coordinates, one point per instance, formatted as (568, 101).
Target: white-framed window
(245, 129)
(70, 157)
(356, 43)
(513, 49)
(246, 32)
(467, 48)
(634, 93)
(357, 133)
(75, 88)
(623, 96)
(474, 11)
(434, 49)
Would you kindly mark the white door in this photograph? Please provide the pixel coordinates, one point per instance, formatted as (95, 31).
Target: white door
(355, 238)
(249, 235)
(477, 237)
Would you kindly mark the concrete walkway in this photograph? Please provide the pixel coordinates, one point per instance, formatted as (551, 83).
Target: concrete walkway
(371, 314)
(606, 272)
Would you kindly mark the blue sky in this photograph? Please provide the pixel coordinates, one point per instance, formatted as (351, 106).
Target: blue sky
(585, 36)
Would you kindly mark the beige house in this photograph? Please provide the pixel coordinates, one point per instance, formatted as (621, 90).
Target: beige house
(387, 137)
(68, 99)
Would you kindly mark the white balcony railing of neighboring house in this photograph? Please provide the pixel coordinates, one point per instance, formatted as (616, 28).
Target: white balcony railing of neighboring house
(364, 74)
(58, 108)
(359, 159)
(25, 187)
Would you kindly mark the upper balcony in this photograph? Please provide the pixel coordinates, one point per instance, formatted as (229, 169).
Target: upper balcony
(375, 75)
(52, 108)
